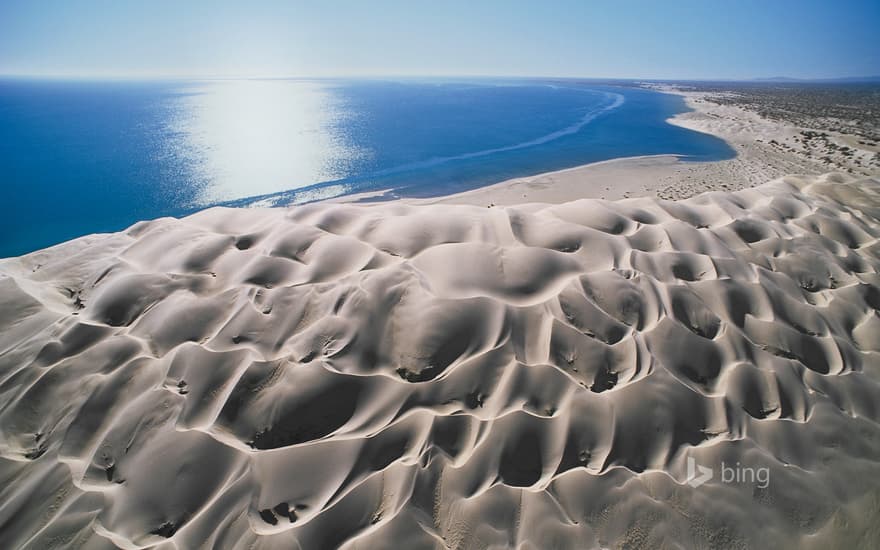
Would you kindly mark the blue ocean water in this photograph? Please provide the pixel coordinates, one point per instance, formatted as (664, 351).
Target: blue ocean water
(79, 157)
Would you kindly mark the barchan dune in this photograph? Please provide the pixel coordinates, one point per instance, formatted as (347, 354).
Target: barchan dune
(450, 376)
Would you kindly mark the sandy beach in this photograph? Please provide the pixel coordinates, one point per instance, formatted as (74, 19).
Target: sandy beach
(439, 276)
(585, 364)
(766, 150)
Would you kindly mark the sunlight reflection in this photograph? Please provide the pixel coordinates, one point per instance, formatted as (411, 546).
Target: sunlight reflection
(254, 137)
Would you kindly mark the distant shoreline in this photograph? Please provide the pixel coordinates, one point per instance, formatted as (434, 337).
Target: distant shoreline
(463, 184)
(610, 179)
(765, 150)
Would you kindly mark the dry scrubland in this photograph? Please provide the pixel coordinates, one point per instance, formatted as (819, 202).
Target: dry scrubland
(779, 129)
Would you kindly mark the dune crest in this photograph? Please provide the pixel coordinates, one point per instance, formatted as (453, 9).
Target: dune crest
(445, 376)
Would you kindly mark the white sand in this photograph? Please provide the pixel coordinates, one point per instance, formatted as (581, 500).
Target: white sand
(400, 376)
(757, 161)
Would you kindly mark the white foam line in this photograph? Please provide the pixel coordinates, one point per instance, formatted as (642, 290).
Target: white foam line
(617, 101)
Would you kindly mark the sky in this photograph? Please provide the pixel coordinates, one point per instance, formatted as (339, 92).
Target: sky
(677, 39)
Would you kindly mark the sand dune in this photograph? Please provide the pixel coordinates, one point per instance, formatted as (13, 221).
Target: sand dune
(450, 376)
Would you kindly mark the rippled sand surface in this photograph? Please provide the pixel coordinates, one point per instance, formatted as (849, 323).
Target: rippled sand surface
(450, 376)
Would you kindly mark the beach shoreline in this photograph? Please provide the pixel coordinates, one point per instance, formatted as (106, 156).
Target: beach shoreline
(429, 364)
(765, 150)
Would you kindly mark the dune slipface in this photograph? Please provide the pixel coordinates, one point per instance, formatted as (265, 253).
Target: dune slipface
(399, 376)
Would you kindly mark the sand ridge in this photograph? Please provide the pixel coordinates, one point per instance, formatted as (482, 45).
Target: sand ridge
(451, 376)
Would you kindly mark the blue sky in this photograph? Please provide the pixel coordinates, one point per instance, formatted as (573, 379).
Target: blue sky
(616, 39)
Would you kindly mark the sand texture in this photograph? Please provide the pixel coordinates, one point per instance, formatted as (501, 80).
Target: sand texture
(766, 148)
(451, 376)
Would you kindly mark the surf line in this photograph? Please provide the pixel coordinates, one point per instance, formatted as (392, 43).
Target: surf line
(613, 101)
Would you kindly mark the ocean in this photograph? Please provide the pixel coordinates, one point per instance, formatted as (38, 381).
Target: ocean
(80, 157)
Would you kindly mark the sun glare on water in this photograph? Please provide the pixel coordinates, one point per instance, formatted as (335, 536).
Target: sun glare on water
(251, 137)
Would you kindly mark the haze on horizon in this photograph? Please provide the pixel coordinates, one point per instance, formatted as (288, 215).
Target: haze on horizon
(688, 39)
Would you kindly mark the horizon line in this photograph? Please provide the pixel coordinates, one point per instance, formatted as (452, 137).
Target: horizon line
(365, 76)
